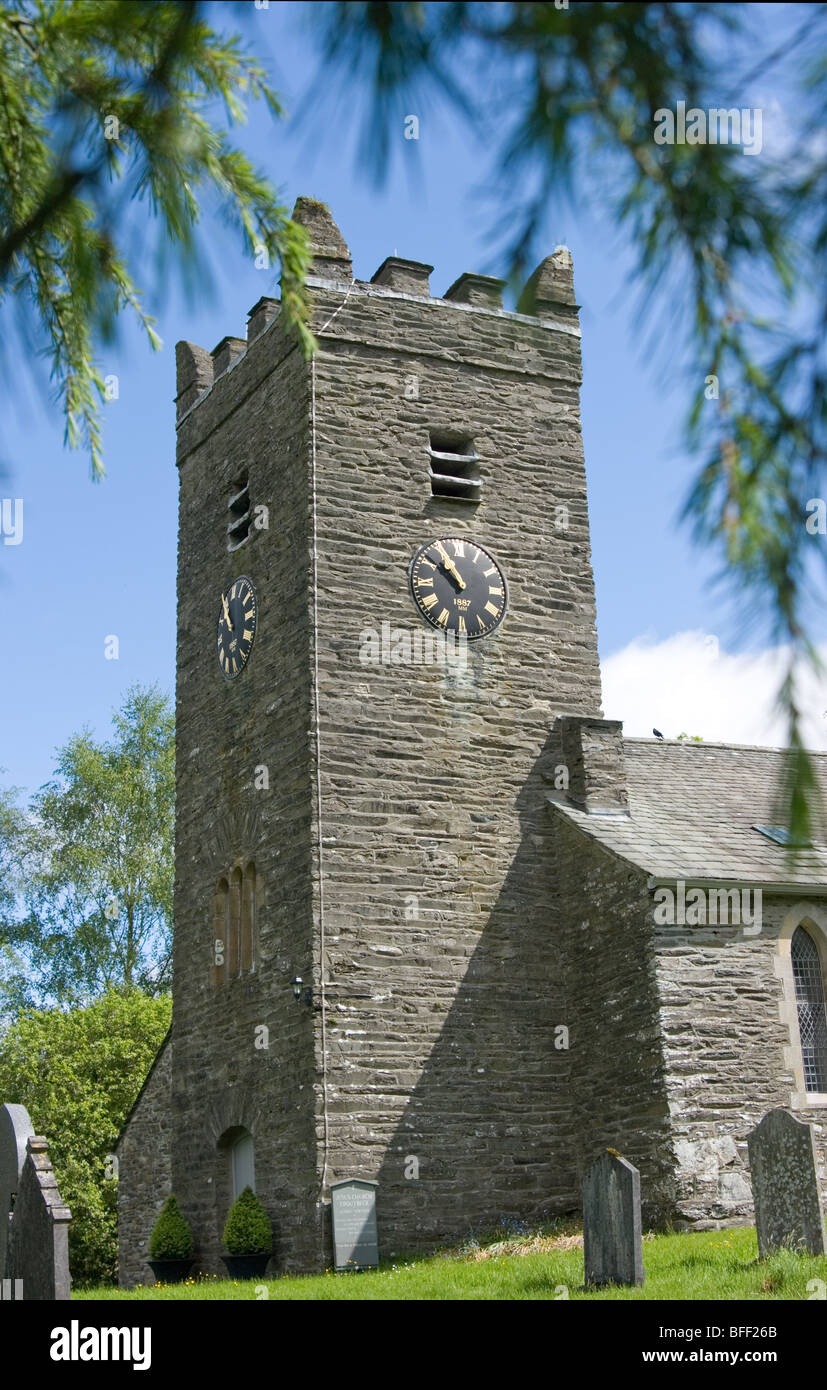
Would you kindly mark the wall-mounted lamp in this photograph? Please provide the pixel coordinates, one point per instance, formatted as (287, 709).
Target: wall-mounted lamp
(300, 993)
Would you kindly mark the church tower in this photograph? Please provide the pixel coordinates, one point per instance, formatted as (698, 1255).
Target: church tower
(385, 600)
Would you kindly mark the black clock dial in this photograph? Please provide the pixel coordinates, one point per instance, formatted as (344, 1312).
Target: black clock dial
(458, 587)
(236, 628)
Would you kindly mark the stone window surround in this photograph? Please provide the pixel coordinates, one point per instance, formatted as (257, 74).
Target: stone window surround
(235, 913)
(814, 919)
(225, 1176)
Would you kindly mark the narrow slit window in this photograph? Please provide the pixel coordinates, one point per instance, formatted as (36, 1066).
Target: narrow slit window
(238, 526)
(220, 921)
(248, 920)
(454, 467)
(812, 1014)
(234, 927)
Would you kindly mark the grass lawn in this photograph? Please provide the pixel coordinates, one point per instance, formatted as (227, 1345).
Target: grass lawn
(543, 1264)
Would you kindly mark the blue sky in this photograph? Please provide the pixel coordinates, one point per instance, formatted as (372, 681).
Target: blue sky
(100, 559)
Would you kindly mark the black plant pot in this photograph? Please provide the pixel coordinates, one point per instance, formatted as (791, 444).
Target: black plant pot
(170, 1271)
(246, 1266)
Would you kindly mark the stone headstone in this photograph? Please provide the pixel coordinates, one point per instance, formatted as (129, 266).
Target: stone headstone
(785, 1190)
(35, 1223)
(15, 1130)
(355, 1241)
(612, 1237)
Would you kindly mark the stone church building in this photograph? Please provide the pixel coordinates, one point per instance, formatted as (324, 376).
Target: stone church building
(437, 923)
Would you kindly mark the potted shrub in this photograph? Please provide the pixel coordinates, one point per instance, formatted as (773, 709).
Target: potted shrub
(248, 1237)
(170, 1245)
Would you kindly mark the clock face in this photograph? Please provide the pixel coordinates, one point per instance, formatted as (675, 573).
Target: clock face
(236, 626)
(458, 587)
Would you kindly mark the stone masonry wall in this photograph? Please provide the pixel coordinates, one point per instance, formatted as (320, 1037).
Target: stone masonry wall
(724, 1045)
(441, 923)
(38, 1236)
(617, 1074)
(144, 1156)
(256, 417)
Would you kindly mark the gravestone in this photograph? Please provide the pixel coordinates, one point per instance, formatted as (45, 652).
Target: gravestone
(15, 1129)
(785, 1191)
(355, 1241)
(35, 1223)
(612, 1237)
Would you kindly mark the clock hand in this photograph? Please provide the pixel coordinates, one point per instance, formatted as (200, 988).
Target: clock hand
(227, 614)
(449, 565)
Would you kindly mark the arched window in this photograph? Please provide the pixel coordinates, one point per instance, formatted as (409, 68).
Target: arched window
(234, 932)
(248, 920)
(243, 1165)
(812, 1014)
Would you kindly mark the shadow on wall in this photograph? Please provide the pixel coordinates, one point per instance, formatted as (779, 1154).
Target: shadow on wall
(511, 1104)
(487, 1130)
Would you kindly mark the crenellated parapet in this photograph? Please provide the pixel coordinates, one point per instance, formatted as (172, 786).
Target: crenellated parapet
(547, 299)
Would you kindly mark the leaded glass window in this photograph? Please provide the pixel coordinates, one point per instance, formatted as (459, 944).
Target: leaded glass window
(812, 1015)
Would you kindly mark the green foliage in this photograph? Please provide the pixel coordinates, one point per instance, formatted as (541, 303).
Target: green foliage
(247, 1230)
(94, 860)
(731, 247)
(106, 105)
(78, 1074)
(171, 1237)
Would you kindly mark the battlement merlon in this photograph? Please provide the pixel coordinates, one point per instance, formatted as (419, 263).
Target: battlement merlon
(546, 303)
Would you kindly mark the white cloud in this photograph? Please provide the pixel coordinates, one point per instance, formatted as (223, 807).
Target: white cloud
(689, 684)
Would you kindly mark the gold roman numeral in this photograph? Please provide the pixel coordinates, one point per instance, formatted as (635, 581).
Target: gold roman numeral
(459, 549)
(493, 570)
(489, 608)
(492, 589)
(461, 627)
(481, 622)
(422, 582)
(429, 600)
(442, 620)
(247, 635)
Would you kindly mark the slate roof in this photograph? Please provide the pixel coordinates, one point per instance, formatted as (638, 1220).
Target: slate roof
(692, 808)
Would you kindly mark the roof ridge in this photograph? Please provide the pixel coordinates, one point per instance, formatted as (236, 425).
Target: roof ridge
(731, 747)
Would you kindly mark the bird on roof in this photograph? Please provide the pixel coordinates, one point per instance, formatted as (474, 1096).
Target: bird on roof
(657, 733)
